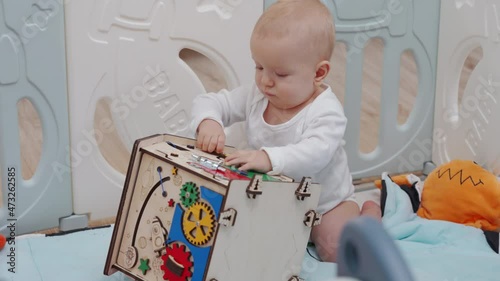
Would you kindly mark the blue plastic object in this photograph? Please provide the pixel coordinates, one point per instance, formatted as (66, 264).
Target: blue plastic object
(367, 253)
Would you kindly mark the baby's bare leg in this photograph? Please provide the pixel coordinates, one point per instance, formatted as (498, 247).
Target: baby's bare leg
(326, 236)
(371, 209)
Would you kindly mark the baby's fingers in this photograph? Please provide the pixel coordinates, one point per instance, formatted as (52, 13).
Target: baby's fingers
(202, 140)
(212, 144)
(229, 158)
(208, 143)
(246, 167)
(221, 141)
(234, 159)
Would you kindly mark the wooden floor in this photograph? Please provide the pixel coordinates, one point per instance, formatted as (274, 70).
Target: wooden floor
(117, 155)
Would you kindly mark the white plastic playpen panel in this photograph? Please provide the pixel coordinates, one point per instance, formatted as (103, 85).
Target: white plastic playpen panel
(128, 53)
(32, 66)
(468, 129)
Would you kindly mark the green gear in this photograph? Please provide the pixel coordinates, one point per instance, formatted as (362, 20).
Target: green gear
(190, 193)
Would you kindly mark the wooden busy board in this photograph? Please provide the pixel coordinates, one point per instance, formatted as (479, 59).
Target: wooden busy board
(184, 215)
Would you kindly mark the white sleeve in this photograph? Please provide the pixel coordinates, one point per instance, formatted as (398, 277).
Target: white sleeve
(322, 137)
(225, 107)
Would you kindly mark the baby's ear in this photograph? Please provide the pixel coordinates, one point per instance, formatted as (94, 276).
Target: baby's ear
(322, 70)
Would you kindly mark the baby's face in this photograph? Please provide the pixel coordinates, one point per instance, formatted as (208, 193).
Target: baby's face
(284, 71)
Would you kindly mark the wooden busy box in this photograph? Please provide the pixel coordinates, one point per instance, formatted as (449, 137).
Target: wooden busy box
(183, 215)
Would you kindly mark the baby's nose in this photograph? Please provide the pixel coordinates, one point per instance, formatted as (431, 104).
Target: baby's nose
(266, 80)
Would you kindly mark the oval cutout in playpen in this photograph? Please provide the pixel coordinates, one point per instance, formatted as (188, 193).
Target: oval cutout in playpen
(408, 86)
(212, 80)
(470, 64)
(371, 94)
(108, 141)
(31, 136)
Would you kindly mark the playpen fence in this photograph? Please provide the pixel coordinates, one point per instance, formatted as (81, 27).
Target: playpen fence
(75, 56)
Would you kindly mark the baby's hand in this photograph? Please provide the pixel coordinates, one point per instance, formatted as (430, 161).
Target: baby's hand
(211, 136)
(257, 160)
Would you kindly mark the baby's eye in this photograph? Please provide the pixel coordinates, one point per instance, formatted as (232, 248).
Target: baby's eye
(281, 74)
(258, 67)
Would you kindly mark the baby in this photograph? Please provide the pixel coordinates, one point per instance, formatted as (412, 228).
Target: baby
(295, 123)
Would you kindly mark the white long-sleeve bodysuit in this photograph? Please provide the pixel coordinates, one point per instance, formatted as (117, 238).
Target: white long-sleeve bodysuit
(308, 145)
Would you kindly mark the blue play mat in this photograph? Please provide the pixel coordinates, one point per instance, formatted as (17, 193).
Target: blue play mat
(80, 256)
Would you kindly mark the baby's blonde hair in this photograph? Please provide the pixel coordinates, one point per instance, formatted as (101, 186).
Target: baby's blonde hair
(308, 20)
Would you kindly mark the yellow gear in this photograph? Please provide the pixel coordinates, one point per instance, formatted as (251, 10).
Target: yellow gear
(198, 223)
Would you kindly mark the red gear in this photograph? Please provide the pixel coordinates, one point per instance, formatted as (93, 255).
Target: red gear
(3, 241)
(177, 263)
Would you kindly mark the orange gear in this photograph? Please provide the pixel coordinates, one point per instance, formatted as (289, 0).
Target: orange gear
(177, 264)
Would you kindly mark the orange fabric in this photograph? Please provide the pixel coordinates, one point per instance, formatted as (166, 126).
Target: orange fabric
(462, 192)
(399, 180)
